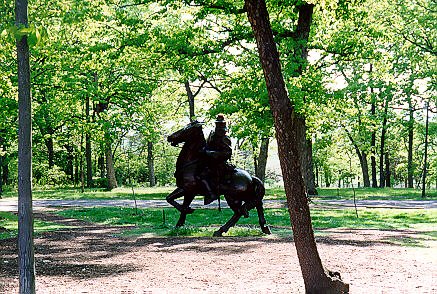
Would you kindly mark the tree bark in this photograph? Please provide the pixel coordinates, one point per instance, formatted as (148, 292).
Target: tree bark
(410, 143)
(102, 168)
(315, 277)
(26, 259)
(151, 164)
(110, 170)
(362, 156)
(301, 58)
(5, 168)
(306, 154)
(50, 150)
(88, 151)
(373, 141)
(425, 159)
(76, 168)
(387, 171)
(261, 161)
(70, 158)
(190, 100)
(382, 174)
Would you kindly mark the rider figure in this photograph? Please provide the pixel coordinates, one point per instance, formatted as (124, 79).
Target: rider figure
(218, 151)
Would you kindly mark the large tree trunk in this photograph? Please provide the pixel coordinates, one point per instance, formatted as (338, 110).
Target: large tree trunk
(315, 277)
(261, 160)
(410, 144)
(150, 164)
(26, 258)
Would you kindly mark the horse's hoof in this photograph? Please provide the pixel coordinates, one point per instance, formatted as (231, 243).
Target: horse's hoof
(217, 234)
(266, 230)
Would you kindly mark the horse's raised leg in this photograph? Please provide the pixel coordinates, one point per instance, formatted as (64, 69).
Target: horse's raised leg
(186, 209)
(262, 220)
(175, 195)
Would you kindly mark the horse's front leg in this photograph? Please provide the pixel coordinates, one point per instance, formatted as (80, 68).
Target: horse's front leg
(231, 222)
(186, 209)
(175, 195)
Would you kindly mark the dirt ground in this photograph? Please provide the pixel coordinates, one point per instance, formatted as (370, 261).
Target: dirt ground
(93, 259)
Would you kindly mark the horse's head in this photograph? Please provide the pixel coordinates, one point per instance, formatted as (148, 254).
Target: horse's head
(190, 132)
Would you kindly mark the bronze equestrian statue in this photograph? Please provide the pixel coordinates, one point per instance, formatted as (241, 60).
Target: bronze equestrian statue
(202, 169)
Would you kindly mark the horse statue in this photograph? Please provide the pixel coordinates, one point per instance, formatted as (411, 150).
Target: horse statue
(241, 191)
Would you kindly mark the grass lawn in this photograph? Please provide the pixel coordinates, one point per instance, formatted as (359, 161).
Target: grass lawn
(9, 225)
(155, 193)
(159, 193)
(204, 221)
(362, 194)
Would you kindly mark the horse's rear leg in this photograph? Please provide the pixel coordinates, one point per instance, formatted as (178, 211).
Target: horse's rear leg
(262, 220)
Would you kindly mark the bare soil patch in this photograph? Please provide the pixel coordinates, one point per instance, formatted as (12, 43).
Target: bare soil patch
(92, 258)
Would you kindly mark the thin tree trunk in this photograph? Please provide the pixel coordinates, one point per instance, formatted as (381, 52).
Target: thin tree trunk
(190, 100)
(261, 161)
(88, 151)
(50, 150)
(76, 169)
(425, 159)
(410, 144)
(382, 174)
(5, 167)
(365, 169)
(70, 159)
(151, 164)
(362, 156)
(315, 277)
(373, 141)
(81, 163)
(110, 170)
(26, 259)
(387, 171)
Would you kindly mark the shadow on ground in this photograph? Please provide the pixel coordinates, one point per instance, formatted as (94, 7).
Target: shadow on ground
(89, 250)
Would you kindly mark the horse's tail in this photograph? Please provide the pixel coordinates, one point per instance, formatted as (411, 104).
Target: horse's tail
(258, 186)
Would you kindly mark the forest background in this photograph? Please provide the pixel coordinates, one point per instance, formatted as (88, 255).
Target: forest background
(110, 79)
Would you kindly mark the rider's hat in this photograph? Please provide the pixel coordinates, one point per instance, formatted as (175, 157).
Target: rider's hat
(220, 122)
